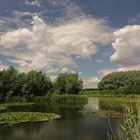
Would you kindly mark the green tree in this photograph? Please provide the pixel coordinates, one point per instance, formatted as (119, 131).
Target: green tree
(8, 82)
(124, 82)
(37, 84)
(68, 83)
(33, 83)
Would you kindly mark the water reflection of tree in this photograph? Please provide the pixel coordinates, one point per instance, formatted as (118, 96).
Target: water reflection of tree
(5, 132)
(65, 110)
(20, 130)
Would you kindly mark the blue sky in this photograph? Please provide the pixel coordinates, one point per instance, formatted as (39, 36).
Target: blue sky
(92, 37)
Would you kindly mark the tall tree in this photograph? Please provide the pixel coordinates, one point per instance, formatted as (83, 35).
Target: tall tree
(126, 82)
(8, 82)
(37, 84)
(68, 83)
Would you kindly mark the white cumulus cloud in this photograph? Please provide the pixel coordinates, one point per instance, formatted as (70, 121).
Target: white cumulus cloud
(127, 46)
(33, 2)
(91, 82)
(54, 47)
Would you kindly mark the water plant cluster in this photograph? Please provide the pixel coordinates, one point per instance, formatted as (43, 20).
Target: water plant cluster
(20, 117)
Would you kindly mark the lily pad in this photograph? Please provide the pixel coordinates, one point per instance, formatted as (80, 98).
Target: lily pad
(20, 117)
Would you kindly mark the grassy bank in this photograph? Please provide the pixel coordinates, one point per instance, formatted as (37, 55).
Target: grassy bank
(107, 94)
(69, 98)
(51, 97)
(6, 105)
(59, 99)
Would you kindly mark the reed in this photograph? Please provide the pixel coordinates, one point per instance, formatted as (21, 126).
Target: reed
(69, 98)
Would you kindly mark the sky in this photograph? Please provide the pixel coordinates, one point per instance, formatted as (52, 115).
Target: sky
(91, 37)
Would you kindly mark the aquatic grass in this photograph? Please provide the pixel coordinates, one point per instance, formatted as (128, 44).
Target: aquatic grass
(131, 125)
(69, 98)
(111, 114)
(6, 105)
(117, 104)
(18, 104)
(2, 107)
(108, 93)
(41, 99)
(21, 117)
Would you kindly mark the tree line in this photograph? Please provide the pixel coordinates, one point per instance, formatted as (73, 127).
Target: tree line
(127, 82)
(36, 83)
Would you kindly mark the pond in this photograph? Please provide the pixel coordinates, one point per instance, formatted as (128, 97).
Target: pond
(78, 122)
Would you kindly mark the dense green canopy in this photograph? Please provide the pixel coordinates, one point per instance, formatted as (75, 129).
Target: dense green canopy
(68, 83)
(36, 83)
(125, 82)
(33, 83)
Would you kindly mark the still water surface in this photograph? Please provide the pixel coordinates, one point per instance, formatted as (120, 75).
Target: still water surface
(73, 125)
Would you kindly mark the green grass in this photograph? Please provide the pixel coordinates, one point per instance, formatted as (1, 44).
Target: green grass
(6, 105)
(69, 98)
(107, 94)
(20, 117)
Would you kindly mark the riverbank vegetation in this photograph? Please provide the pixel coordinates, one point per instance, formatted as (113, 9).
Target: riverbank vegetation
(108, 94)
(130, 126)
(121, 82)
(14, 104)
(69, 99)
(16, 86)
(37, 86)
(117, 84)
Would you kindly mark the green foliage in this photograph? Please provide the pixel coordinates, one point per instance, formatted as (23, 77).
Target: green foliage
(8, 82)
(37, 84)
(121, 82)
(68, 83)
(15, 84)
(20, 117)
